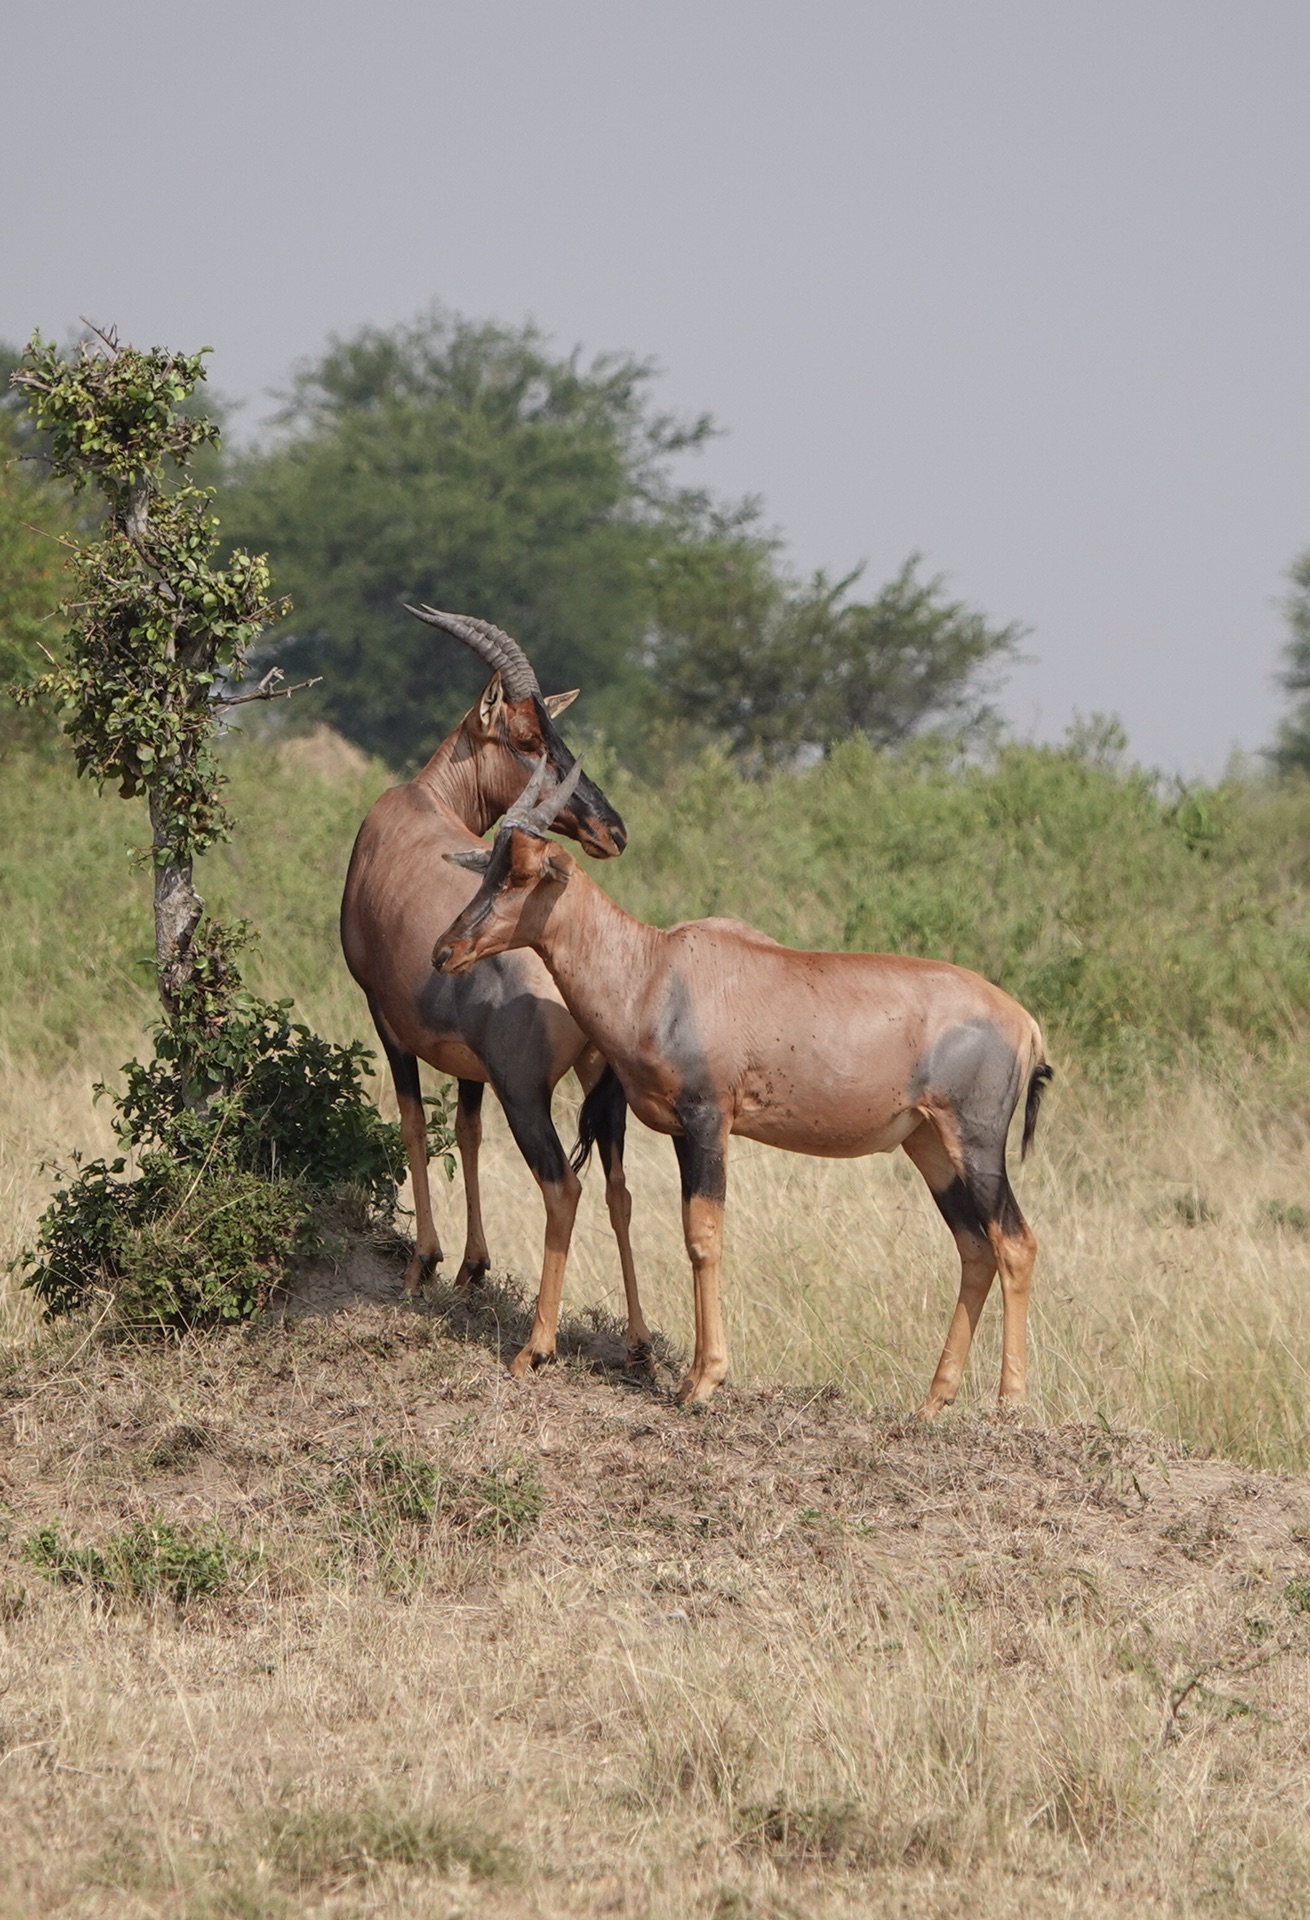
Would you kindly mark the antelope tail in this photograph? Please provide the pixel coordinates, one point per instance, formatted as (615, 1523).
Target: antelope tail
(1037, 1080)
(604, 1111)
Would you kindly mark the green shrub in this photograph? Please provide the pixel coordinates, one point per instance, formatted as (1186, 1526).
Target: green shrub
(244, 1124)
(144, 1561)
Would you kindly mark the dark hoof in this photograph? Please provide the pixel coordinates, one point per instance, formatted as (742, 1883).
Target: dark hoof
(640, 1359)
(472, 1273)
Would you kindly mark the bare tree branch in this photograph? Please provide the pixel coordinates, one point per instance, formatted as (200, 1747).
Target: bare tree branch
(268, 689)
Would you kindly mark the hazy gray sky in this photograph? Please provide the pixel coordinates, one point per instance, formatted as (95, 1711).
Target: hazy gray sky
(1022, 286)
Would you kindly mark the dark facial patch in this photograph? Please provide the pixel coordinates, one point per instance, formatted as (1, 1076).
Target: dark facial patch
(466, 924)
(588, 814)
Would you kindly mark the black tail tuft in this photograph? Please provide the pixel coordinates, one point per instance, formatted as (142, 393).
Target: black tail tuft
(1037, 1080)
(604, 1117)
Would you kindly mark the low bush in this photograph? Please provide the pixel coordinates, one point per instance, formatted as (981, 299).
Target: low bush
(243, 1125)
(147, 1560)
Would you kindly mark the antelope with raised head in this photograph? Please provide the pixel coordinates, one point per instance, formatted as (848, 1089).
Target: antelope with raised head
(714, 1029)
(507, 1024)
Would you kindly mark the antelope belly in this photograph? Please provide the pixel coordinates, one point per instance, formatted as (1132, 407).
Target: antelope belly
(831, 1135)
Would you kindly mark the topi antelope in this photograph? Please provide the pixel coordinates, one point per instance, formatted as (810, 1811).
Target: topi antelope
(507, 1024)
(715, 1029)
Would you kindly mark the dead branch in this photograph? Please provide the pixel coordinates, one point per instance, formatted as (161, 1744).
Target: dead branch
(269, 688)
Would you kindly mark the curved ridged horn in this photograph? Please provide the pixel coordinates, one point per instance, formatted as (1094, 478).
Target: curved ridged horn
(490, 643)
(532, 813)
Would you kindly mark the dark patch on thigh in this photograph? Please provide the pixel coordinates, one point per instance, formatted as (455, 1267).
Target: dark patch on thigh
(496, 1015)
(404, 1065)
(975, 1070)
(959, 1210)
(528, 1112)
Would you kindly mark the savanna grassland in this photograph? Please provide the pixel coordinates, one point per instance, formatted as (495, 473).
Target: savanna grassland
(327, 1616)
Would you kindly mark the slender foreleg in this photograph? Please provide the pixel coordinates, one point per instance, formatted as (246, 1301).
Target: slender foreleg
(947, 1184)
(528, 1114)
(702, 1149)
(610, 1132)
(414, 1131)
(468, 1139)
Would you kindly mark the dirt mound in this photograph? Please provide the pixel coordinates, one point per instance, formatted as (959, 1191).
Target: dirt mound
(791, 1476)
(323, 754)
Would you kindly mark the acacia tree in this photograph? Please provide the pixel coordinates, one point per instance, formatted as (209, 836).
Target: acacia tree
(243, 1121)
(778, 667)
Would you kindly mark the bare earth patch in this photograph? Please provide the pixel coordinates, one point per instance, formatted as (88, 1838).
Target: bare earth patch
(563, 1648)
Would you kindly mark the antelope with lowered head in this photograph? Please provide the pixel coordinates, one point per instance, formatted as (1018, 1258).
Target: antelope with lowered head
(713, 1029)
(507, 1024)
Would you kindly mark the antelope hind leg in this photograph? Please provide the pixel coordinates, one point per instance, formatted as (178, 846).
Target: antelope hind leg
(951, 1195)
(414, 1131)
(476, 1263)
(703, 1164)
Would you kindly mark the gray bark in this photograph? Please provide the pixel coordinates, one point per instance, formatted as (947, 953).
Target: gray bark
(178, 908)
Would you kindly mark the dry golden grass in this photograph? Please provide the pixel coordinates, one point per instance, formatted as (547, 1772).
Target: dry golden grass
(788, 1657)
(1171, 1281)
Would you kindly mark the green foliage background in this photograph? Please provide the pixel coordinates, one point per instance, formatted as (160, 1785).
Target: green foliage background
(1145, 926)
(473, 467)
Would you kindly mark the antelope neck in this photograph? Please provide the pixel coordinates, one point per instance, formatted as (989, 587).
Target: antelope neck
(455, 776)
(601, 960)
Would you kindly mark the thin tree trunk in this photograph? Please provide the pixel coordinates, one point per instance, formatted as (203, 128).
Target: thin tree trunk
(178, 908)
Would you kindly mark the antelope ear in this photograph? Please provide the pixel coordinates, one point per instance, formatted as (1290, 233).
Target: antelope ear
(493, 696)
(555, 703)
(476, 859)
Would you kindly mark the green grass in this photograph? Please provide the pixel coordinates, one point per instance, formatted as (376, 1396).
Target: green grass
(141, 1562)
(1144, 927)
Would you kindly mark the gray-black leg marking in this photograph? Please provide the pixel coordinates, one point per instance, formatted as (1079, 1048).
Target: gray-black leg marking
(528, 1114)
(699, 1148)
(959, 1210)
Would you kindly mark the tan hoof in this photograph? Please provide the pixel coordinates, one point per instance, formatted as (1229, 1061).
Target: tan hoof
(419, 1271)
(695, 1391)
(932, 1407)
(527, 1362)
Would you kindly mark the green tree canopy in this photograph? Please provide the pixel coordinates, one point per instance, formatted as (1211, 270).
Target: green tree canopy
(464, 465)
(1291, 751)
(781, 667)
